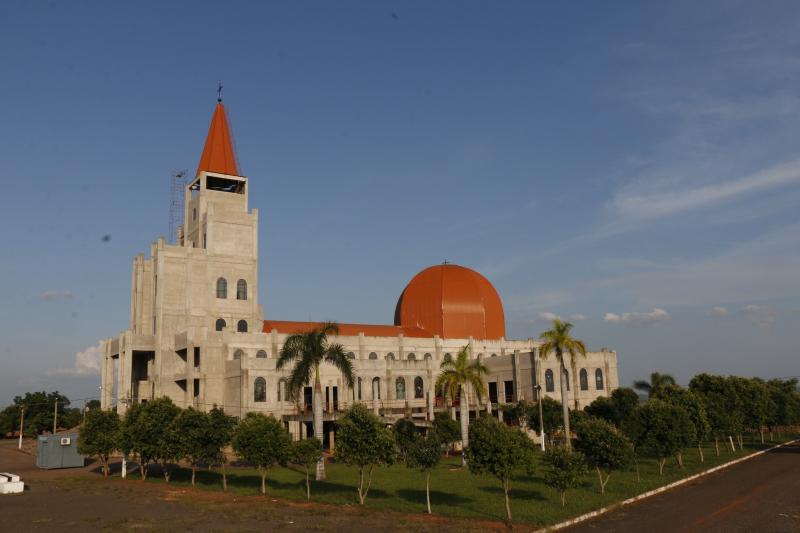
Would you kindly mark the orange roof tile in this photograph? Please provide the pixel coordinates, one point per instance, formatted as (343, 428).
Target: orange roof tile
(218, 154)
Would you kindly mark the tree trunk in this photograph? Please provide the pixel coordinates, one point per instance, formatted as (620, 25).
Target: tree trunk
(308, 485)
(716, 445)
(702, 457)
(142, 469)
(564, 401)
(167, 472)
(661, 462)
(428, 489)
(464, 409)
(741, 441)
(104, 462)
(508, 506)
(316, 409)
(602, 481)
(679, 459)
(636, 462)
(761, 432)
(224, 479)
(361, 486)
(263, 480)
(563, 498)
(733, 446)
(194, 474)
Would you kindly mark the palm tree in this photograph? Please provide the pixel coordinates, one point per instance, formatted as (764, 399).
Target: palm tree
(308, 351)
(558, 340)
(457, 375)
(657, 382)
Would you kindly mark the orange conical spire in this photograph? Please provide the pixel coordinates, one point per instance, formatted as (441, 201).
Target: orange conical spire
(218, 154)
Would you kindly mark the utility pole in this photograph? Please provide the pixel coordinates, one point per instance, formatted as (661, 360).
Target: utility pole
(21, 420)
(55, 415)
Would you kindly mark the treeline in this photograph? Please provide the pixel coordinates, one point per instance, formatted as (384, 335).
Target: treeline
(39, 409)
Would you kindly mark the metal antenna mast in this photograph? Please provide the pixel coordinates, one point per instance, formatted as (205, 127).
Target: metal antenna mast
(177, 199)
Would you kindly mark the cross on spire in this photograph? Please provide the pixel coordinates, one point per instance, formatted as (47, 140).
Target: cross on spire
(219, 91)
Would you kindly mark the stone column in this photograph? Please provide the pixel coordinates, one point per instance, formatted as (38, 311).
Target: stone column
(375, 405)
(430, 404)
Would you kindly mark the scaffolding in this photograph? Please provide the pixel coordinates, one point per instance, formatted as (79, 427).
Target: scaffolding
(177, 200)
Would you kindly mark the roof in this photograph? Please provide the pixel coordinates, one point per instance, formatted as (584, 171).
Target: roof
(453, 302)
(218, 154)
(348, 330)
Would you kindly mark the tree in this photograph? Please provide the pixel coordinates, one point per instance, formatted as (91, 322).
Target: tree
(99, 436)
(756, 403)
(363, 441)
(308, 351)
(39, 410)
(787, 403)
(604, 409)
(551, 412)
(723, 406)
(565, 470)
(424, 454)
(159, 435)
(92, 404)
(657, 381)
(261, 441)
(220, 433)
(694, 407)
(559, 341)
(456, 377)
(662, 429)
(406, 434)
(604, 447)
(499, 450)
(307, 453)
(625, 401)
(447, 429)
(190, 431)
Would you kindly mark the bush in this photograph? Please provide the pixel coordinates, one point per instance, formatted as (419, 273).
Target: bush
(306, 452)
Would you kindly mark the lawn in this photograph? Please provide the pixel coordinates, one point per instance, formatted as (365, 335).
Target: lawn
(456, 492)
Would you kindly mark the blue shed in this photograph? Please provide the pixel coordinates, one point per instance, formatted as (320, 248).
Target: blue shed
(58, 451)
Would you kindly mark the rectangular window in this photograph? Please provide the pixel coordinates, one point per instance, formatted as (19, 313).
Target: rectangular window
(509, 391)
(493, 391)
(196, 388)
(197, 357)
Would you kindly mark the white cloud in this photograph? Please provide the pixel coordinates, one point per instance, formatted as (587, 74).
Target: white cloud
(719, 311)
(635, 203)
(547, 316)
(55, 295)
(87, 362)
(577, 316)
(760, 315)
(638, 318)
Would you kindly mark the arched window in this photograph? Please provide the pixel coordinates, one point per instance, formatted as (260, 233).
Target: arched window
(400, 388)
(584, 377)
(241, 326)
(373, 355)
(376, 388)
(261, 354)
(566, 377)
(447, 356)
(390, 355)
(241, 290)
(598, 379)
(283, 390)
(238, 354)
(418, 388)
(359, 388)
(549, 386)
(351, 355)
(222, 288)
(494, 355)
(411, 357)
(220, 324)
(428, 357)
(260, 390)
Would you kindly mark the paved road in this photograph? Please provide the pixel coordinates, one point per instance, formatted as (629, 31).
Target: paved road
(759, 495)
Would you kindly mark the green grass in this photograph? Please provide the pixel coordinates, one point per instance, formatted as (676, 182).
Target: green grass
(456, 492)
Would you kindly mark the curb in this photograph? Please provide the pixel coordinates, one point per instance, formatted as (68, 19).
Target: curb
(604, 510)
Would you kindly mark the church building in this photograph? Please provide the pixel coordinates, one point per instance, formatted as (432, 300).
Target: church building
(198, 335)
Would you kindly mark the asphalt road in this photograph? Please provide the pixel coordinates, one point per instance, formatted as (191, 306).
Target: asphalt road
(759, 495)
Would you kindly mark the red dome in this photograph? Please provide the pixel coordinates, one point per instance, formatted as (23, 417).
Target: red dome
(453, 302)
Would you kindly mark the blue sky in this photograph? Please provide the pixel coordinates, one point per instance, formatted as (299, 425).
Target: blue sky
(635, 166)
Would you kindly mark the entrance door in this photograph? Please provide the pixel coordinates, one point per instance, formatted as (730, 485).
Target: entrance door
(493, 391)
(335, 398)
